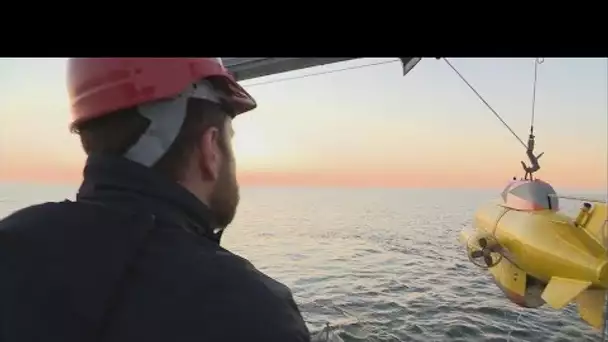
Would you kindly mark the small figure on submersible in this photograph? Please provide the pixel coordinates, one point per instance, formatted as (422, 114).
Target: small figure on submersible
(534, 166)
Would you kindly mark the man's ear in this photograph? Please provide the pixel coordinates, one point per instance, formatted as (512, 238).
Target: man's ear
(211, 158)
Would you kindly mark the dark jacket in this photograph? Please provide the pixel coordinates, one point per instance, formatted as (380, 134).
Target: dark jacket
(134, 258)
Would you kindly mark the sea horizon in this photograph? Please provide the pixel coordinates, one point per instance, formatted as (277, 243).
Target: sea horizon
(498, 187)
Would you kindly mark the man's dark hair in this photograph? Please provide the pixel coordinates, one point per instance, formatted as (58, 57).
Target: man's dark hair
(115, 133)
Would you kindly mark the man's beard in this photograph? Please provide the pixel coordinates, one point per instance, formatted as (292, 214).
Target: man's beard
(225, 197)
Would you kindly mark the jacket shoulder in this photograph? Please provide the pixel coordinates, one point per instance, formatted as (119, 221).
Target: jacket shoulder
(31, 214)
(273, 313)
(201, 291)
(66, 213)
(59, 265)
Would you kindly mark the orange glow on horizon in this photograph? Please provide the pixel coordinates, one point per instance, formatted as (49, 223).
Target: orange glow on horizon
(568, 177)
(368, 127)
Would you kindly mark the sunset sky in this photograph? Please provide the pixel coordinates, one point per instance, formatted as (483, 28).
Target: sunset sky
(362, 127)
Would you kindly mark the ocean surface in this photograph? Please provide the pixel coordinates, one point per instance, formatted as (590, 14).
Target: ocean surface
(376, 264)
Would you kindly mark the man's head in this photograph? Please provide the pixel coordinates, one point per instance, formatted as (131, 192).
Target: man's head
(186, 137)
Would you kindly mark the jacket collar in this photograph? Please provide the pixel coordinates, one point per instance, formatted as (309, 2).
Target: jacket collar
(111, 179)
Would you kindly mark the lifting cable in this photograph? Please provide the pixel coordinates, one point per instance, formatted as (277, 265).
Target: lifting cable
(487, 104)
(321, 73)
(536, 63)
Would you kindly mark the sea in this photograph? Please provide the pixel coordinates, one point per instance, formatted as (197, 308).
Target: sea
(374, 264)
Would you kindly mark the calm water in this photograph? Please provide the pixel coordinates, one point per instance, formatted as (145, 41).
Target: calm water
(379, 265)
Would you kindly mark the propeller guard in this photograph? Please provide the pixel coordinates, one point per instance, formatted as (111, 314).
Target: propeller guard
(483, 251)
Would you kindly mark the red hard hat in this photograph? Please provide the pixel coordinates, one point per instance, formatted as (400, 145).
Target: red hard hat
(100, 86)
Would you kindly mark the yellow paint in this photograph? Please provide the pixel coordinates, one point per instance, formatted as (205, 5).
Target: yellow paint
(561, 291)
(591, 307)
(464, 237)
(570, 260)
(595, 223)
(510, 277)
(544, 244)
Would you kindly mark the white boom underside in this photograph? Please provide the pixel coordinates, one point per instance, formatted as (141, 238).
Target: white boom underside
(246, 68)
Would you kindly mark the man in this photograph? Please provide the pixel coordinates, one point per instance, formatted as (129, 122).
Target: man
(137, 257)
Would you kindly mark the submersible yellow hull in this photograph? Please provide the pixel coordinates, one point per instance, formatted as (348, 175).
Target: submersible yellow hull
(544, 256)
(545, 243)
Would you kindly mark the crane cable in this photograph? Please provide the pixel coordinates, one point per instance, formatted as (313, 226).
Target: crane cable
(361, 66)
(537, 62)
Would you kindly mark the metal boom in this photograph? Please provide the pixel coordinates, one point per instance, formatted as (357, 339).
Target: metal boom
(245, 68)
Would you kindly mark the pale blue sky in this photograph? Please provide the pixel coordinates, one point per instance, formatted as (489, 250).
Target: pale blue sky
(371, 118)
